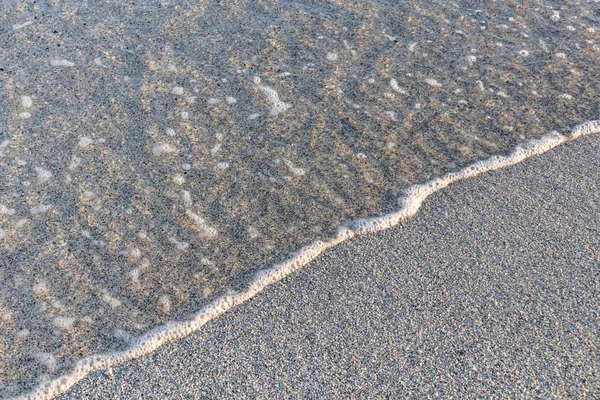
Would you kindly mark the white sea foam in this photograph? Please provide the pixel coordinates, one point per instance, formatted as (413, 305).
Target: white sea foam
(395, 87)
(163, 148)
(26, 102)
(204, 229)
(62, 63)
(85, 141)
(40, 209)
(408, 205)
(22, 25)
(277, 106)
(43, 175)
(6, 211)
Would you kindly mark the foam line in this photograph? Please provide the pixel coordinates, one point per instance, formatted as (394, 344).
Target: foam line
(408, 204)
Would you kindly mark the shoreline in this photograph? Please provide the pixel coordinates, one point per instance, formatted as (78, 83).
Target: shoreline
(426, 205)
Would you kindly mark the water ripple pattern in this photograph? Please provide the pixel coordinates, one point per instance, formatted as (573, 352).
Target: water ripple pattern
(155, 155)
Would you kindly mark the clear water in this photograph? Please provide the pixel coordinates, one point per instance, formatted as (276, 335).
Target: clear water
(154, 155)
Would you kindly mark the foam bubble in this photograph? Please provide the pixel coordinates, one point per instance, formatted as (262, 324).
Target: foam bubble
(277, 106)
(164, 304)
(433, 82)
(204, 229)
(40, 209)
(85, 141)
(6, 211)
(163, 148)
(179, 179)
(253, 116)
(63, 323)
(179, 244)
(187, 198)
(222, 165)
(109, 299)
(26, 102)
(22, 25)
(43, 175)
(62, 63)
(170, 132)
(395, 87)
(391, 115)
(48, 360)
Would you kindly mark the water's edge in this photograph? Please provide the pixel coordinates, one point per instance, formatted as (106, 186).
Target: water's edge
(408, 204)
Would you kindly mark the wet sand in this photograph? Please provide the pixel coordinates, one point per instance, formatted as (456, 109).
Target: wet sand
(491, 289)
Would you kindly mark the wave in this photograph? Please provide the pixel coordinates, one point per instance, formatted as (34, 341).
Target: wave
(408, 205)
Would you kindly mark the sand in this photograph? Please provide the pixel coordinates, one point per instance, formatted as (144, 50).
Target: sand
(155, 156)
(492, 289)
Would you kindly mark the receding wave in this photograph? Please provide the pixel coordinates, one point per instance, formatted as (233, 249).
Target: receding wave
(164, 162)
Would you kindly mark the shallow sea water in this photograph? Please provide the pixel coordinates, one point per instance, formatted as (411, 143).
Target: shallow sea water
(155, 155)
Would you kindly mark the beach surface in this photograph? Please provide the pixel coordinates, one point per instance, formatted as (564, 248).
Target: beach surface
(491, 289)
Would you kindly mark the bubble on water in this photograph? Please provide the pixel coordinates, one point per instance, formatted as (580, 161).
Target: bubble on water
(163, 148)
(43, 175)
(85, 141)
(394, 85)
(26, 102)
(277, 106)
(204, 229)
(296, 171)
(179, 179)
(170, 132)
(187, 198)
(47, 359)
(62, 63)
(4, 210)
(433, 82)
(40, 209)
(22, 25)
(180, 245)
(164, 304)
(110, 299)
(391, 115)
(222, 165)
(63, 323)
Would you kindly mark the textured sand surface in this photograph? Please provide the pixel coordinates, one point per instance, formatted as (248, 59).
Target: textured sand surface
(493, 288)
(154, 155)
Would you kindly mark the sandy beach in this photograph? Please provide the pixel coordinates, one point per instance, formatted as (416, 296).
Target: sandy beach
(162, 163)
(491, 290)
